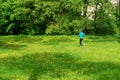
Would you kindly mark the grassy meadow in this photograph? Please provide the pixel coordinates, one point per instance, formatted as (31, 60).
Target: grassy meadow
(59, 58)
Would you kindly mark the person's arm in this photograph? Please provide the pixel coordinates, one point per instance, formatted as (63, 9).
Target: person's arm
(79, 34)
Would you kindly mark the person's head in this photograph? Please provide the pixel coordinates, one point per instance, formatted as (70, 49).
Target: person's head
(81, 30)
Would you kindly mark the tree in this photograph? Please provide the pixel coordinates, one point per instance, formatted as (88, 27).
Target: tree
(67, 18)
(36, 17)
(117, 14)
(104, 20)
(5, 12)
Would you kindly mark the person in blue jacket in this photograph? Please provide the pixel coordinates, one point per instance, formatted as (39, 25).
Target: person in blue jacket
(81, 35)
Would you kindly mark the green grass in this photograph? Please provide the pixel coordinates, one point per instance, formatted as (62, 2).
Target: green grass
(59, 58)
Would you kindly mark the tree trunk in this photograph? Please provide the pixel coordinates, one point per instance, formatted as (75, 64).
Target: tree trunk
(85, 11)
(95, 18)
(119, 18)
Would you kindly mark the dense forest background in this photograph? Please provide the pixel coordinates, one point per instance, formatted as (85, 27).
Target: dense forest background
(57, 17)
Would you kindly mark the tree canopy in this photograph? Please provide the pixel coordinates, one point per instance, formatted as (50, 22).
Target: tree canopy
(38, 17)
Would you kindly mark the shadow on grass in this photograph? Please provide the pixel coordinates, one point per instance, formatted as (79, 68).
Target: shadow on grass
(20, 39)
(4, 78)
(53, 40)
(102, 38)
(5, 45)
(56, 65)
(56, 40)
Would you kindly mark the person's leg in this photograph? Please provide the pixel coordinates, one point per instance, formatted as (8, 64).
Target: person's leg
(81, 42)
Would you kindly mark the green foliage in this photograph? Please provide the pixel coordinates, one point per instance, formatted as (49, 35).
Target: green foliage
(54, 16)
(106, 25)
(105, 20)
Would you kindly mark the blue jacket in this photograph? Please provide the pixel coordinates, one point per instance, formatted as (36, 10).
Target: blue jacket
(81, 34)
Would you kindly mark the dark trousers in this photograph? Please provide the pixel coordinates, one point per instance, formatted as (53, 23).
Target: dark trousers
(81, 41)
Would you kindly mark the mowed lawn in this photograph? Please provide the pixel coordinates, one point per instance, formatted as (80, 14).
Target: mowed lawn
(59, 58)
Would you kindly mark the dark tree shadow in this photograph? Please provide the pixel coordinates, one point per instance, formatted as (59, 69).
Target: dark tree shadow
(101, 38)
(54, 61)
(21, 39)
(56, 40)
(39, 64)
(4, 78)
(5, 45)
